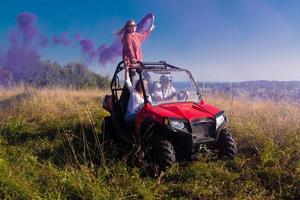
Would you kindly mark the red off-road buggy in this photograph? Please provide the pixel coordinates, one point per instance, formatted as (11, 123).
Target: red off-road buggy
(167, 129)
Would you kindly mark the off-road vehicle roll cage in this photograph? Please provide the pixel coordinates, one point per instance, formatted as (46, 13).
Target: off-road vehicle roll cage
(151, 66)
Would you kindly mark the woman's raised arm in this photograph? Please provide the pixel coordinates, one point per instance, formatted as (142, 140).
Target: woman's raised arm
(127, 78)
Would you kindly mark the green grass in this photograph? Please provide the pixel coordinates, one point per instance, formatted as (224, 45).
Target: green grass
(48, 150)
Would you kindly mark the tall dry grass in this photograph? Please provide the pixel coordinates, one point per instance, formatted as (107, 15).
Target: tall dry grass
(273, 119)
(47, 152)
(48, 103)
(28, 114)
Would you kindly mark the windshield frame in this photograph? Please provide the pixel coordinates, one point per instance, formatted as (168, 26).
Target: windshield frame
(157, 69)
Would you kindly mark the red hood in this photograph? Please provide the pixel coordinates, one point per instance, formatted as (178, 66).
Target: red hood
(185, 110)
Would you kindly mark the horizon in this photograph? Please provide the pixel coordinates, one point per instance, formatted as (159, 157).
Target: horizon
(235, 41)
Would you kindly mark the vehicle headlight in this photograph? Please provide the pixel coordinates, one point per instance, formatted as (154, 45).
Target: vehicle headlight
(176, 124)
(220, 120)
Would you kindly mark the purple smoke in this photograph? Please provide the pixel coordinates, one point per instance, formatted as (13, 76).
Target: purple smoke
(110, 53)
(145, 23)
(87, 47)
(62, 39)
(2, 56)
(26, 24)
(104, 52)
(43, 41)
(26, 34)
(78, 37)
(22, 58)
(22, 62)
(13, 38)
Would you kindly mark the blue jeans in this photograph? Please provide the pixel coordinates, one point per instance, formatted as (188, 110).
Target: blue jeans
(130, 117)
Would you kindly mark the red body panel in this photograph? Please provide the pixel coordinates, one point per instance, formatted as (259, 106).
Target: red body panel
(179, 110)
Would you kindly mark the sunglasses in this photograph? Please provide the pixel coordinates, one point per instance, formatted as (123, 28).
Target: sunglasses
(131, 25)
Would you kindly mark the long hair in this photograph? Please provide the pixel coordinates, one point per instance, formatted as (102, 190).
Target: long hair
(123, 31)
(138, 86)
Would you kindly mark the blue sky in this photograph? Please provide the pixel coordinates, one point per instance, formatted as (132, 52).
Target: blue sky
(217, 40)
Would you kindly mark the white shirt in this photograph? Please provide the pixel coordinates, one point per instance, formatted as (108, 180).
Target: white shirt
(157, 94)
(136, 102)
(168, 91)
(164, 93)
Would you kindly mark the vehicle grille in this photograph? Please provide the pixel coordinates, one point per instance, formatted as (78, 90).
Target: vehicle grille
(203, 130)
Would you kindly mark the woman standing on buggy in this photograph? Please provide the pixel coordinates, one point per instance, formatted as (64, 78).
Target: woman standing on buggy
(132, 53)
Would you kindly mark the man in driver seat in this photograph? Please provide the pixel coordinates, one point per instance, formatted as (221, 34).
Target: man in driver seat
(168, 92)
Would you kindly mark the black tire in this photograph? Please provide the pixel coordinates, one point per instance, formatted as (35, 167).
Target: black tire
(226, 146)
(161, 153)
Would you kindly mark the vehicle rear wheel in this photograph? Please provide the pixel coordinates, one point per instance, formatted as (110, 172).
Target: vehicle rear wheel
(226, 146)
(161, 153)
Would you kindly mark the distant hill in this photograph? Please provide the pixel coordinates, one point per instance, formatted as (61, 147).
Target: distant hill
(275, 90)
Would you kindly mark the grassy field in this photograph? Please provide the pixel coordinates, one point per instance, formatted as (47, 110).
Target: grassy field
(49, 150)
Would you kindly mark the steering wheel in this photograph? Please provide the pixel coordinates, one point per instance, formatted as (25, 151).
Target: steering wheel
(182, 95)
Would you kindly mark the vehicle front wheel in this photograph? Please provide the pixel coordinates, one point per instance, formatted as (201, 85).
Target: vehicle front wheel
(161, 153)
(226, 146)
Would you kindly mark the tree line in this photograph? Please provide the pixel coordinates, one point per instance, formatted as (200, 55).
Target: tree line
(51, 74)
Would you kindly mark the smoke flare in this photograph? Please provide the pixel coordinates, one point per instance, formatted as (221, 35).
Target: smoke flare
(22, 58)
(110, 53)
